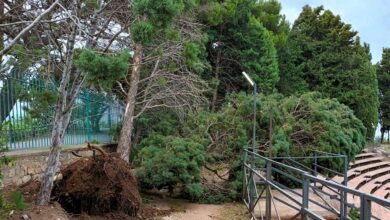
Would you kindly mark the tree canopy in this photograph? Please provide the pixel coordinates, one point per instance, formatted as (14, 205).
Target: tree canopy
(384, 91)
(238, 41)
(175, 68)
(326, 55)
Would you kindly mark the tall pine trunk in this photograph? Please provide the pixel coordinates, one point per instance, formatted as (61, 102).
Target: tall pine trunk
(124, 145)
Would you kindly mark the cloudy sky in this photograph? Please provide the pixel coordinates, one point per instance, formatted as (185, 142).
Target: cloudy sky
(371, 18)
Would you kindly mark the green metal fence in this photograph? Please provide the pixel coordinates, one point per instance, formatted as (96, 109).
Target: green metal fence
(27, 109)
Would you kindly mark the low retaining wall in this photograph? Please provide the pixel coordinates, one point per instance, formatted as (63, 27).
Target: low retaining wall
(30, 165)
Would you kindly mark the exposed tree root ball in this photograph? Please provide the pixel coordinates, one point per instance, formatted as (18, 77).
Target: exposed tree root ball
(97, 186)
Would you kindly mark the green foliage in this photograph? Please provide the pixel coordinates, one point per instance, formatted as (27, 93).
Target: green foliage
(102, 70)
(238, 41)
(154, 16)
(168, 161)
(384, 90)
(192, 54)
(159, 13)
(324, 54)
(40, 102)
(354, 214)
(18, 201)
(22, 56)
(301, 124)
(258, 55)
(269, 14)
(142, 32)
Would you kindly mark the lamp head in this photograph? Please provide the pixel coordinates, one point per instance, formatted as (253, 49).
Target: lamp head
(248, 78)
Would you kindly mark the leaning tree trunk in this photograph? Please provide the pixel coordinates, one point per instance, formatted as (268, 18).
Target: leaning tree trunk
(124, 145)
(61, 120)
(68, 93)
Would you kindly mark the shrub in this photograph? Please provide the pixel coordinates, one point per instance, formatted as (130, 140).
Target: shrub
(172, 162)
(18, 201)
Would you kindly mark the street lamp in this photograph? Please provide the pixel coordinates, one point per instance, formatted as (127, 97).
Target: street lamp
(253, 84)
(252, 189)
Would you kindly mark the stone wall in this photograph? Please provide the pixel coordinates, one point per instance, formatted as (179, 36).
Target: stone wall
(31, 165)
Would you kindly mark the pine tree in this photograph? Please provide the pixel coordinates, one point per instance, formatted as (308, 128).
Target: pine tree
(384, 91)
(240, 42)
(324, 54)
(162, 47)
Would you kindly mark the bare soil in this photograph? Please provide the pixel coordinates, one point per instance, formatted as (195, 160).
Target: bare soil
(155, 208)
(103, 187)
(192, 211)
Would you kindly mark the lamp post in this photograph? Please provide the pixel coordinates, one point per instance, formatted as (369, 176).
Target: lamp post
(252, 188)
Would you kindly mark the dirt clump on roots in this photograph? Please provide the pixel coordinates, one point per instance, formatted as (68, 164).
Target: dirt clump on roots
(98, 185)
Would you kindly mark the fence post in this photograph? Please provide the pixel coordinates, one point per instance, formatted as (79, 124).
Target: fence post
(365, 208)
(305, 196)
(9, 114)
(88, 116)
(268, 196)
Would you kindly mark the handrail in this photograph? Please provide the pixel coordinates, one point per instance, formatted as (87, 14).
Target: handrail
(307, 178)
(350, 190)
(275, 162)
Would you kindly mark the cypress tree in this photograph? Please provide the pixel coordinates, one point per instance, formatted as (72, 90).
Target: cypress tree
(324, 54)
(384, 92)
(239, 42)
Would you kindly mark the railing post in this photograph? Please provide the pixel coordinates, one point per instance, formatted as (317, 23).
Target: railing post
(252, 185)
(244, 185)
(305, 196)
(315, 167)
(365, 208)
(343, 193)
(268, 196)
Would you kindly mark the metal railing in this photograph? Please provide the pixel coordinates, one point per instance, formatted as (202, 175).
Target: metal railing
(27, 123)
(259, 181)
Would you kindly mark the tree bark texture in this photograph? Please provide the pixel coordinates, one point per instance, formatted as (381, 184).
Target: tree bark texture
(60, 123)
(1, 31)
(124, 145)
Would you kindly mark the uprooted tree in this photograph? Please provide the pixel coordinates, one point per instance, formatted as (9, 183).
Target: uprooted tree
(215, 141)
(66, 28)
